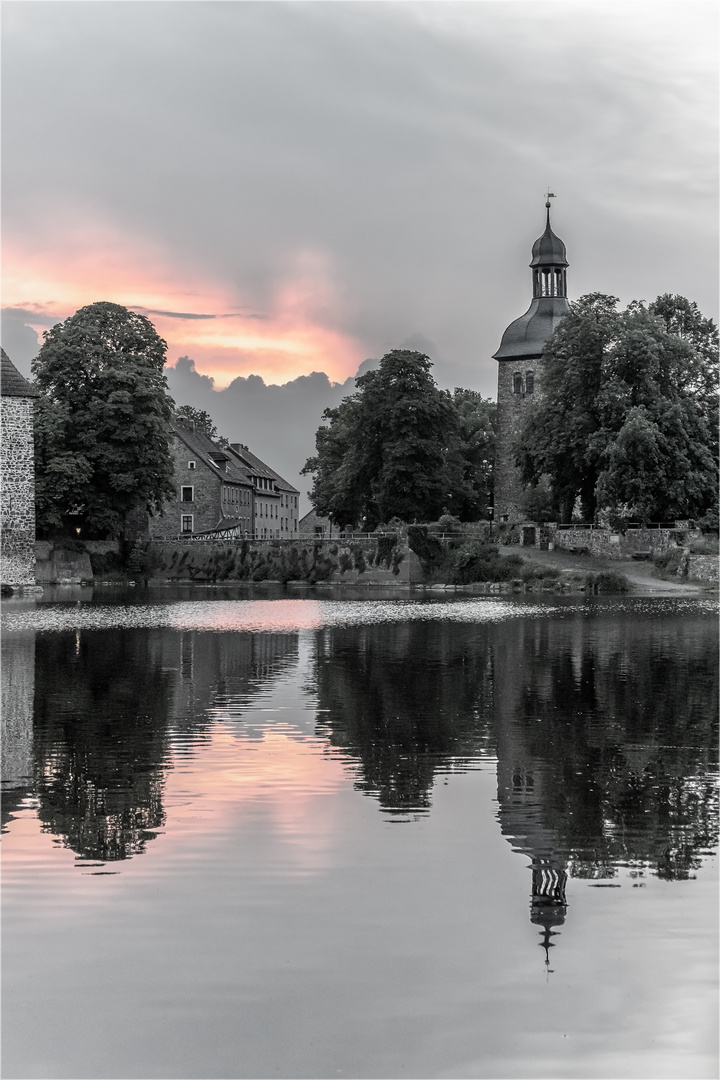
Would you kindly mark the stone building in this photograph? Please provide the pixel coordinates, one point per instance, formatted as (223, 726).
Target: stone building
(223, 489)
(212, 489)
(316, 526)
(520, 364)
(276, 501)
(17, 547)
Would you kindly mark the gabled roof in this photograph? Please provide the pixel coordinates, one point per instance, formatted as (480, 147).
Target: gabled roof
(203, 448)
(258, 468)
(12, 383)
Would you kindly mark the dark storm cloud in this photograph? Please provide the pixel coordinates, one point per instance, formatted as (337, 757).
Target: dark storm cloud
(408, 145)
(277, 422)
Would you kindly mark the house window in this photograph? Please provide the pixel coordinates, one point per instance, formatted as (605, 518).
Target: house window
(529, 382)
(187, 494)
(191, 464)
(517, 384)
(186, 523)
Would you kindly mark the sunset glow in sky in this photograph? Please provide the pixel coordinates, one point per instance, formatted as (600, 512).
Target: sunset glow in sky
(295, 187)
(196, 316)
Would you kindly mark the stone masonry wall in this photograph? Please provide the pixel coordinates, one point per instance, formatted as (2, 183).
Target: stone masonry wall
(366, 561)
(17, 550)
(611, 545)
(205, 507)
(511, 409)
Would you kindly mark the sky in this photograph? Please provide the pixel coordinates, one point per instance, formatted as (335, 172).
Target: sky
(295, 188)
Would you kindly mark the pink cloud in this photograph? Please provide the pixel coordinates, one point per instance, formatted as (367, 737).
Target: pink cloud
(207, 319)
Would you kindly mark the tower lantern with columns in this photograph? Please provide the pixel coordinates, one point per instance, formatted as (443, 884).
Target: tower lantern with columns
(520, 365)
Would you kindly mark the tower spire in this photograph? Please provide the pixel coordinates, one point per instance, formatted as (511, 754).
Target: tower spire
(548, 196)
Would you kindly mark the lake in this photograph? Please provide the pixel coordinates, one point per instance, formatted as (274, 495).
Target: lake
(357, 834)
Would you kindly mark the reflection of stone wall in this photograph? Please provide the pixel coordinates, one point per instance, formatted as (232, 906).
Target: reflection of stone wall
(17, 552)
(18, 696)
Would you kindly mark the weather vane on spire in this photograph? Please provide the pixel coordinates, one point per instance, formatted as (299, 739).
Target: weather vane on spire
(548, 196)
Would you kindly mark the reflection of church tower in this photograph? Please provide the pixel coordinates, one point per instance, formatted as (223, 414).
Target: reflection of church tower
(519, 364)
(523, 780)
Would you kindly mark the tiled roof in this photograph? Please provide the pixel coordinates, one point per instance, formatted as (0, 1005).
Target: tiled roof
(12, 384)
(259, 468)
(202, 447)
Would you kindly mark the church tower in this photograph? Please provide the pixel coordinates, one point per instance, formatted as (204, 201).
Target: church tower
(519, 363)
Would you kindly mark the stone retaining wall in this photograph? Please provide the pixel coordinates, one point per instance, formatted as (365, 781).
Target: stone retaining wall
(374, 561)
(700, 567)
(609, 545)
(56, 565)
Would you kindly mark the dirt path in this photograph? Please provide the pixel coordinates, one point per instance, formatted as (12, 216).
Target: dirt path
(641, 574)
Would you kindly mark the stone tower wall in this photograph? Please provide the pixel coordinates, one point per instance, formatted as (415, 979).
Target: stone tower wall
(511, 410)
(17, 549)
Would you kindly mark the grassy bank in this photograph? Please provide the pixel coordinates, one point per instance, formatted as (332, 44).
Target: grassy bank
(458, 561)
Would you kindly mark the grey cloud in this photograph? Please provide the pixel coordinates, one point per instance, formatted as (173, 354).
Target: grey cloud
(408, 144)
(19, 340)
(277, 422)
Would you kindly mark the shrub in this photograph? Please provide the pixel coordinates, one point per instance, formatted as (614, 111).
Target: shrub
(385, 547)
(428, 548)
(668, 561)
(607, 581)
(476, 561)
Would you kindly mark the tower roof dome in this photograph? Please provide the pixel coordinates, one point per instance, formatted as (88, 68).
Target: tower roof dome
(548, 249)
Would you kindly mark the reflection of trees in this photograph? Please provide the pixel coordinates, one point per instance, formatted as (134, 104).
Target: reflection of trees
(109, 707)
(608, 742)
(403, 701)
(101, 712)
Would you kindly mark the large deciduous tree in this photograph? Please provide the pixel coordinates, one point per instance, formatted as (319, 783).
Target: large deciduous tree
(627, 416)
(102, 447)
(401, 447)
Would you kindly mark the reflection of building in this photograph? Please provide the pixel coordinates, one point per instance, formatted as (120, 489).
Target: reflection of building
(519, 364)
(16, 718)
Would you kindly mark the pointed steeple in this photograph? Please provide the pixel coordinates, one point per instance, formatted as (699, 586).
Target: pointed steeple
(549, 262)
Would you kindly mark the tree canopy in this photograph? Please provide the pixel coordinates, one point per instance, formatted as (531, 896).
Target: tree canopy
(101, 434)
(626, 419)
(401, 447)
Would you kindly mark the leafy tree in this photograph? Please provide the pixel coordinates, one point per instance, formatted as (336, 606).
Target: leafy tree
(203, 422)
(394, 448)
(102, 434)
(626, 419)
(476, 417)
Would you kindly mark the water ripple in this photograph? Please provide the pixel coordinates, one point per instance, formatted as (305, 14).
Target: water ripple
(262, 615)
(304, 614)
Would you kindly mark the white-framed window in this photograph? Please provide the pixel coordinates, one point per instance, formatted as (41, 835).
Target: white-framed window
(186, 523)
(187, 493)
(191, 464)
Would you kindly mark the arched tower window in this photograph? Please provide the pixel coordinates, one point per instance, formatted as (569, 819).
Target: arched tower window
(529, 382)
(517, 384)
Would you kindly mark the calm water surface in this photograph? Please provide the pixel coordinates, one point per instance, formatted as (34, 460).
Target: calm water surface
(359, 837)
